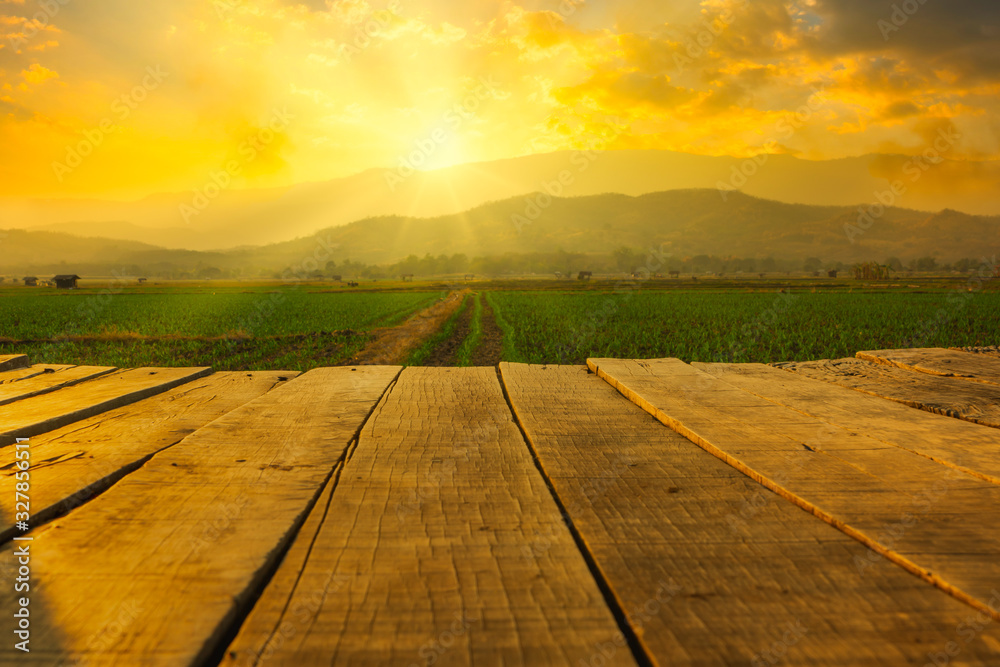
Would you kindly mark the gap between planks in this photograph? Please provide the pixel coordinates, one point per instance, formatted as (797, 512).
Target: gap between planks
(680, 371)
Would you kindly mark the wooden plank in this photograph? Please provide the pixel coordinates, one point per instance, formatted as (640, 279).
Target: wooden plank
(418, 558)
(12, 361)
(940, 361)
(186, 543)
(46, 382)
(975, 402)
(72, 464)
(741, 564)
(31, 371)
(930, 519)
(971, 448)
(47, 412)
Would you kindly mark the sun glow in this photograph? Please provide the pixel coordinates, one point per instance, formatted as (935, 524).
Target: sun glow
(427, 85)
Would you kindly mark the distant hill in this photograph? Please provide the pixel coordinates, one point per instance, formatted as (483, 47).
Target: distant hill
(258, 217)
(689, 222)
(683, 222)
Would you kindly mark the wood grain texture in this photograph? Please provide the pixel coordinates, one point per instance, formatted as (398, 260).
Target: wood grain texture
(971, 448)
(975, 402)
(47, 412)
(419, 559)
(940, 361)
(7, 377)
(182, 546)
(10, 362)
(45, 382)
(932, 520)
(742, 564)
(72, 464)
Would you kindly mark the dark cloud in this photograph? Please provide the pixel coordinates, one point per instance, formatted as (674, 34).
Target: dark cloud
(623, 90)
(900, 109)
(311, 5)
(960, 34)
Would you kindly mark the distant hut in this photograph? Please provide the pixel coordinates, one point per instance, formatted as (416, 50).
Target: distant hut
(407, 277)
(30, 281)
(832, 273)
(585, 275)
(66, 281)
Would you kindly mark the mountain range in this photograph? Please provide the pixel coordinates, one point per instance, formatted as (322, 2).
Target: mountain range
(214, 217)
(679, 223)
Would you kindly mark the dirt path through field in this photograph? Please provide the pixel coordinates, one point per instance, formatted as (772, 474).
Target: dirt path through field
(392, 345)
(446, 353)
(491, 344)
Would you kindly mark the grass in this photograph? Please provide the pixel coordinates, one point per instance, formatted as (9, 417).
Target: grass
(471, 342)
(241, 327)
(275, 328)
(420, 355)
(737, 327)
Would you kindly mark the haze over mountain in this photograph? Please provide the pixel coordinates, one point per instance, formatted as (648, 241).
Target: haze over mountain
(257, 217)
(682, 223)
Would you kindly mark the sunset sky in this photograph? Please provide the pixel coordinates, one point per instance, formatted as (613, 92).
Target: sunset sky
(161, 95)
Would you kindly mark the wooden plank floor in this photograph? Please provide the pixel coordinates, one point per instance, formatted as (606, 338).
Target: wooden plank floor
(707, 563)
(976, 402)
(44, 382)
(901, 505)
(420, 550)
(636, 513)
(6, 377)
(954, 443)
(75, 462)
(940, 361)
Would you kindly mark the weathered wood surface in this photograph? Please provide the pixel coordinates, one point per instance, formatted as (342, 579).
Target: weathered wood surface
(940, 361)
(31, 371)
(47, 412)
(419, 559)
(971, 448)
(72, 464)
(46, 382)
(933, 520)
(711, 568)
(975, 402)
(11, 361)
(160, 568)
